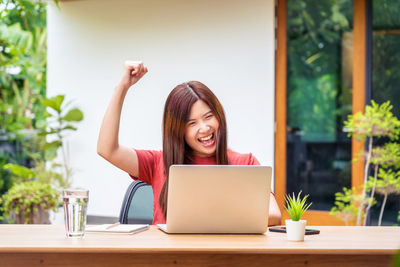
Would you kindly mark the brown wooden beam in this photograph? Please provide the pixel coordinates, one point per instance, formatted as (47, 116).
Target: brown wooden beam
(386, 32)
(280, 102)
(359, 84)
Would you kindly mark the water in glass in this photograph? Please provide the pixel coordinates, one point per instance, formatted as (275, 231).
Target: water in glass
(75, 208)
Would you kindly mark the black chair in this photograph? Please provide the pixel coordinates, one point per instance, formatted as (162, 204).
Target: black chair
(137, 206)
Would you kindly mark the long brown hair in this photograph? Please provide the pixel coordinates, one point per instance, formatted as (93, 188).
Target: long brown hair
(176, 115)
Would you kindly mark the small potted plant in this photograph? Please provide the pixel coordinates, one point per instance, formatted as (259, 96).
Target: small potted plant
(29, 202)
(296, 206)
(31, 196)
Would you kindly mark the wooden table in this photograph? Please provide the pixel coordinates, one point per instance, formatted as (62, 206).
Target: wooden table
(46, 245)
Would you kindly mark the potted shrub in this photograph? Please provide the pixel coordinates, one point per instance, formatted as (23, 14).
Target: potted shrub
(29, 202)
(296, 206)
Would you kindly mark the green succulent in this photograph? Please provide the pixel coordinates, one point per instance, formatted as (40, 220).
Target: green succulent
(296, 206)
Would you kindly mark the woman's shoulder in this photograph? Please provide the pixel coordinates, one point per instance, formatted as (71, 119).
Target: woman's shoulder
(236, 158)
(149, 165)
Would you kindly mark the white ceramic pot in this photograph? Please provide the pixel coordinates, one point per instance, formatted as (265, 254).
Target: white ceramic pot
(295, 230)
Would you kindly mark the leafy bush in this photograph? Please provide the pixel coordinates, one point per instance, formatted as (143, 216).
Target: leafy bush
(27, 197)
(27, 117)
(22, 80)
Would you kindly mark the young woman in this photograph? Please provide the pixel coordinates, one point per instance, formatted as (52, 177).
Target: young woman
(194, 132)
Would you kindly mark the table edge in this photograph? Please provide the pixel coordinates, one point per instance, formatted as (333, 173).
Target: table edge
(109, 250)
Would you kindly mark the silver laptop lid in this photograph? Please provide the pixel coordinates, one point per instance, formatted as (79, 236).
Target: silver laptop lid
(218, 199)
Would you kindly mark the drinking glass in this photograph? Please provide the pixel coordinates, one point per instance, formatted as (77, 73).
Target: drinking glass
(75, 208)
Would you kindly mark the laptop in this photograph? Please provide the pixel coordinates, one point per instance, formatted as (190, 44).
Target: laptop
(218, 199)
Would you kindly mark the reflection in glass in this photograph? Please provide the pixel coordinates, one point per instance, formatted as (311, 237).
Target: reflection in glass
(319, 98)
(386, 80)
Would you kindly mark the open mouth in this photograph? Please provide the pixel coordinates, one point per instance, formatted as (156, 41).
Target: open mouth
(207, 140)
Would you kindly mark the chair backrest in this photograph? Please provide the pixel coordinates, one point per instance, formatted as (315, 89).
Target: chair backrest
(137, 206)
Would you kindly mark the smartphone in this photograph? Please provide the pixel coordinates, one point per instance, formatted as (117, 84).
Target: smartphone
(282, 229)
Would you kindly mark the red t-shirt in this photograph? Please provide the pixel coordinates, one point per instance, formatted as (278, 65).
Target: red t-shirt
(151, 171)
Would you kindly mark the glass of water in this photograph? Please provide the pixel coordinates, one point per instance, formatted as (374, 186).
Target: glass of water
(75, 208)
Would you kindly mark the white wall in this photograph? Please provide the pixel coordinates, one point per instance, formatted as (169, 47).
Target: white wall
(226, 44)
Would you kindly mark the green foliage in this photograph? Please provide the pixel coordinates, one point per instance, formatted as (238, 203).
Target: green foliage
(387, 155)
(60, 118)
(296, 206)
(396, 259)
(73, 115)
(320, 42)
(25, 122)
(23, 63)
(388, 182)
(386, 53)
(38, 173)
(345, 208)
(22, 78)
(347, 204)
(26, 198)
(315, 114)
(318, 98)
(20, 171)
(5, 177)
(377, 121)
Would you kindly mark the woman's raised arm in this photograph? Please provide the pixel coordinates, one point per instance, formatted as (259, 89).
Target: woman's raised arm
(107, 144)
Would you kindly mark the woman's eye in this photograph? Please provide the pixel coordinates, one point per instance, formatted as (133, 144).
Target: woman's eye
(209, 116)
(192, 123)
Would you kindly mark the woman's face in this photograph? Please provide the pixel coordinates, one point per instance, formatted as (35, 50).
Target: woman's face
(202, 130)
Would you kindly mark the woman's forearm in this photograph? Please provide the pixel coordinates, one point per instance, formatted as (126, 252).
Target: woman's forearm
(274, 219)
(275, 216)
(107, 142)
(109, 130)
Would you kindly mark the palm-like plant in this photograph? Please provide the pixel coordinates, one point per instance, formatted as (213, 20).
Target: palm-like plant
(296, 206)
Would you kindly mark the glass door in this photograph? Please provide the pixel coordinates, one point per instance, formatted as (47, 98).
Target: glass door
(332, 58)
(319, 98)
(314, 96)
(386, 85)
